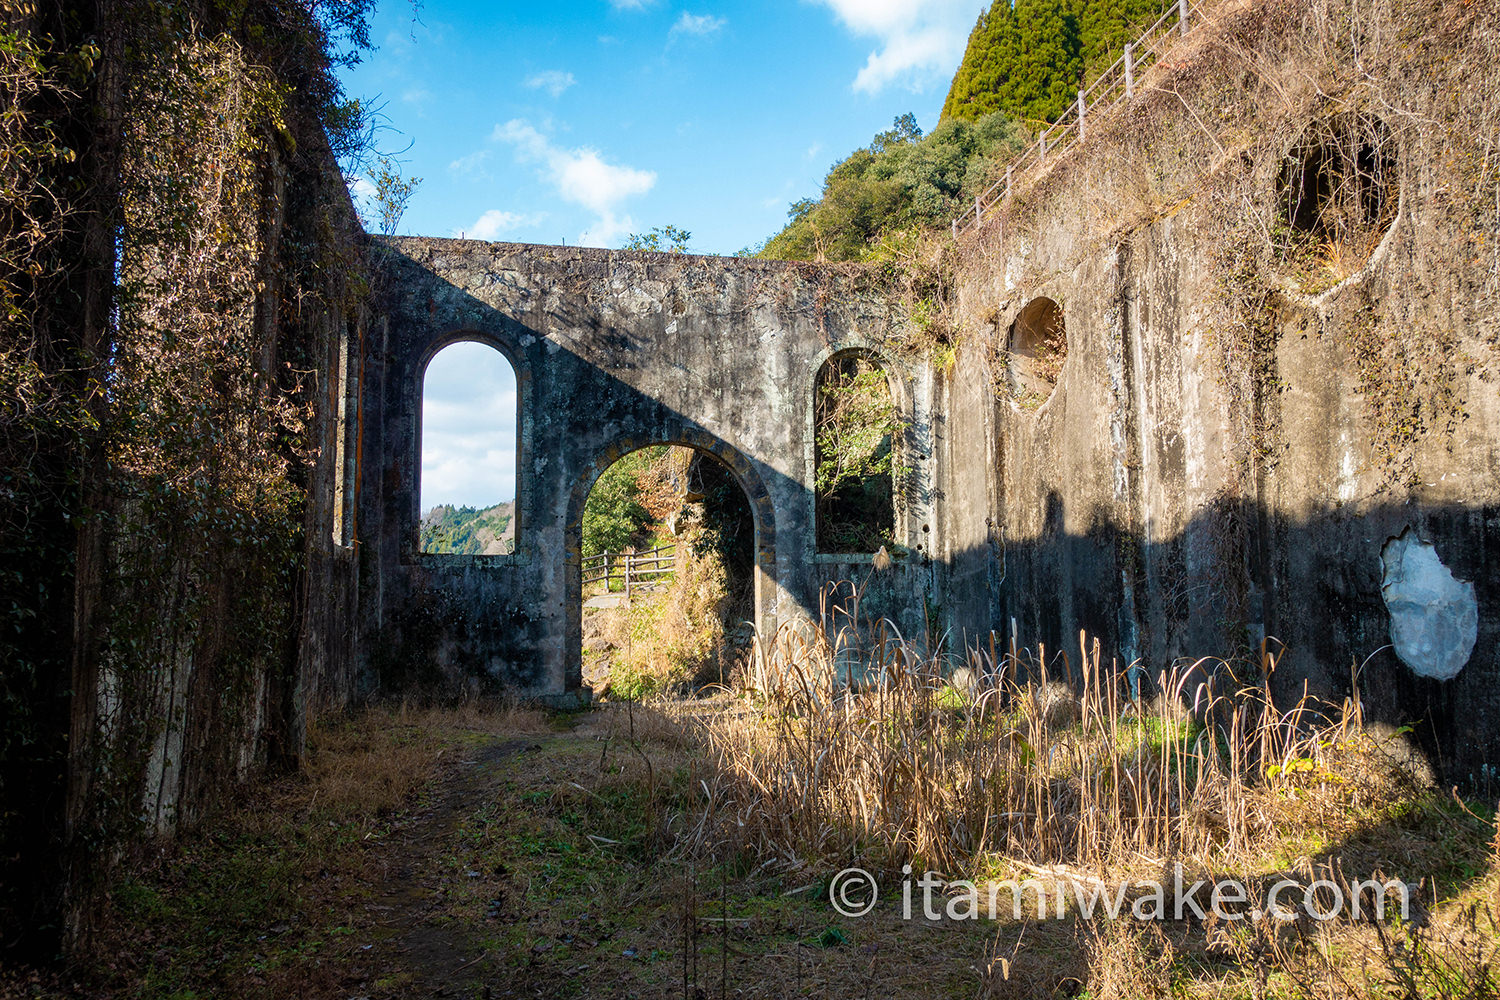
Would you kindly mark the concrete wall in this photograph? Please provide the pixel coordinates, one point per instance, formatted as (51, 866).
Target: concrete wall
(1227, 456)
(1233, 445)
(613, 351)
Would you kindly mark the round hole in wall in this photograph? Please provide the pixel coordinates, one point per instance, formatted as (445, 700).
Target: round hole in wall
(1338, 194)
(1037, 347)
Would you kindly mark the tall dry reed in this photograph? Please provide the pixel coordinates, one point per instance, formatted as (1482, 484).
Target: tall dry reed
(868, 744)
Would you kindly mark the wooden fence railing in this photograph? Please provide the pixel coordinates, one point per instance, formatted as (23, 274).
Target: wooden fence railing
(634, 570)
(1113, 87)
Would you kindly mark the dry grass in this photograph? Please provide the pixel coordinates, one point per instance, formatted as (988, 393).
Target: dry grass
(673, 638)
(369, 765)
(654, 849)
(859, 746)
(1018, 756)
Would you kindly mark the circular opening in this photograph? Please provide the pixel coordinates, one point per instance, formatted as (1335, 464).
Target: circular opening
(1339, 193)
(1037, 348)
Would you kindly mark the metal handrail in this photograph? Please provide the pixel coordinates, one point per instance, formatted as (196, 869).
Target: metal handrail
(1115, 86)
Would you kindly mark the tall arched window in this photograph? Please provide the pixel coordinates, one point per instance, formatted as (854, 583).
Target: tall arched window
(855, 432)
(470, 445)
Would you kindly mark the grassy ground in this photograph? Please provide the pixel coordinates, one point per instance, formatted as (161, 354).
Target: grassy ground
(492, 852)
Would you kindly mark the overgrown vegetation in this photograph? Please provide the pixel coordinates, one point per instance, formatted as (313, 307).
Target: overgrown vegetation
(856, 431)
(679, 629)
(258, 905)
(450, 852)
(391, 193)
(661, 239)
(43, 427)
(614, 516)
(672, 639)
(901, 181)
(1019, 765)
(160, 323)
(1031, 360)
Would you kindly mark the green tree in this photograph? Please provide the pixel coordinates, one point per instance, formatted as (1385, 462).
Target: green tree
(903, 132)
(992, 51)
(1106, 25)
(1029, 59)
(661, 239)
(613, 515)
(856, 427)
(901, 180)
(392, 193)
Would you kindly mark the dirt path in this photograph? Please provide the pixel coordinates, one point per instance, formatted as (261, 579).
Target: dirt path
(426, 952)
(541, 866)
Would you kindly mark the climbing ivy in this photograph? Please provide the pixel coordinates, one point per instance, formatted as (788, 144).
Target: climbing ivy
(171, 266)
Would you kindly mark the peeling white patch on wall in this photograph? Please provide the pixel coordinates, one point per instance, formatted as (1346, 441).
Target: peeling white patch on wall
(1434, 616)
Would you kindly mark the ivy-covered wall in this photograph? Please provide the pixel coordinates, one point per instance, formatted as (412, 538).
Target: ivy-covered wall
(175, 360)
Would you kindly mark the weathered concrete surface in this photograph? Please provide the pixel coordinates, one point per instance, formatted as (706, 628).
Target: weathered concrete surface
(1226, 455)
(1434, 617)
(1232, 442)
(613, 351)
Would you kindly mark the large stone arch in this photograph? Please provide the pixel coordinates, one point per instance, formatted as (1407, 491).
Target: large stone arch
(612, 351)
(762, 509)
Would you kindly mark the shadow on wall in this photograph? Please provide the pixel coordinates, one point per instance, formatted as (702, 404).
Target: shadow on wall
(1236, 573)
(1404, 596)
(592, 392)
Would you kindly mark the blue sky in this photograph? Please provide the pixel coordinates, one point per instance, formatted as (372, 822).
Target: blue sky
(586, 121)
(582, 122)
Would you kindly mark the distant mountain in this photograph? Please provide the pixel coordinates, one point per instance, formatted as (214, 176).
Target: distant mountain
(470, 531)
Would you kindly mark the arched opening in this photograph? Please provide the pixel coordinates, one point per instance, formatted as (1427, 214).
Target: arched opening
(667, 572)
(1036, 350)
(855, 432)
(469, 448)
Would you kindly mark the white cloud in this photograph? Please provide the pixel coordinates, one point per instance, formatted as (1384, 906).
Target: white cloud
(471, 163)
(920, 40)
(553, 81)
(700, 25)
(398, 44)
(582, 177)
(468, 428)
(607, 231)
(360, 188)
(494, 223)
(631, 4)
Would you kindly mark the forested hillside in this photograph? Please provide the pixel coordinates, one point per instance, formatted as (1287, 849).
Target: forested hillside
(1028, 60)
(470, 531)
(1023, 64)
